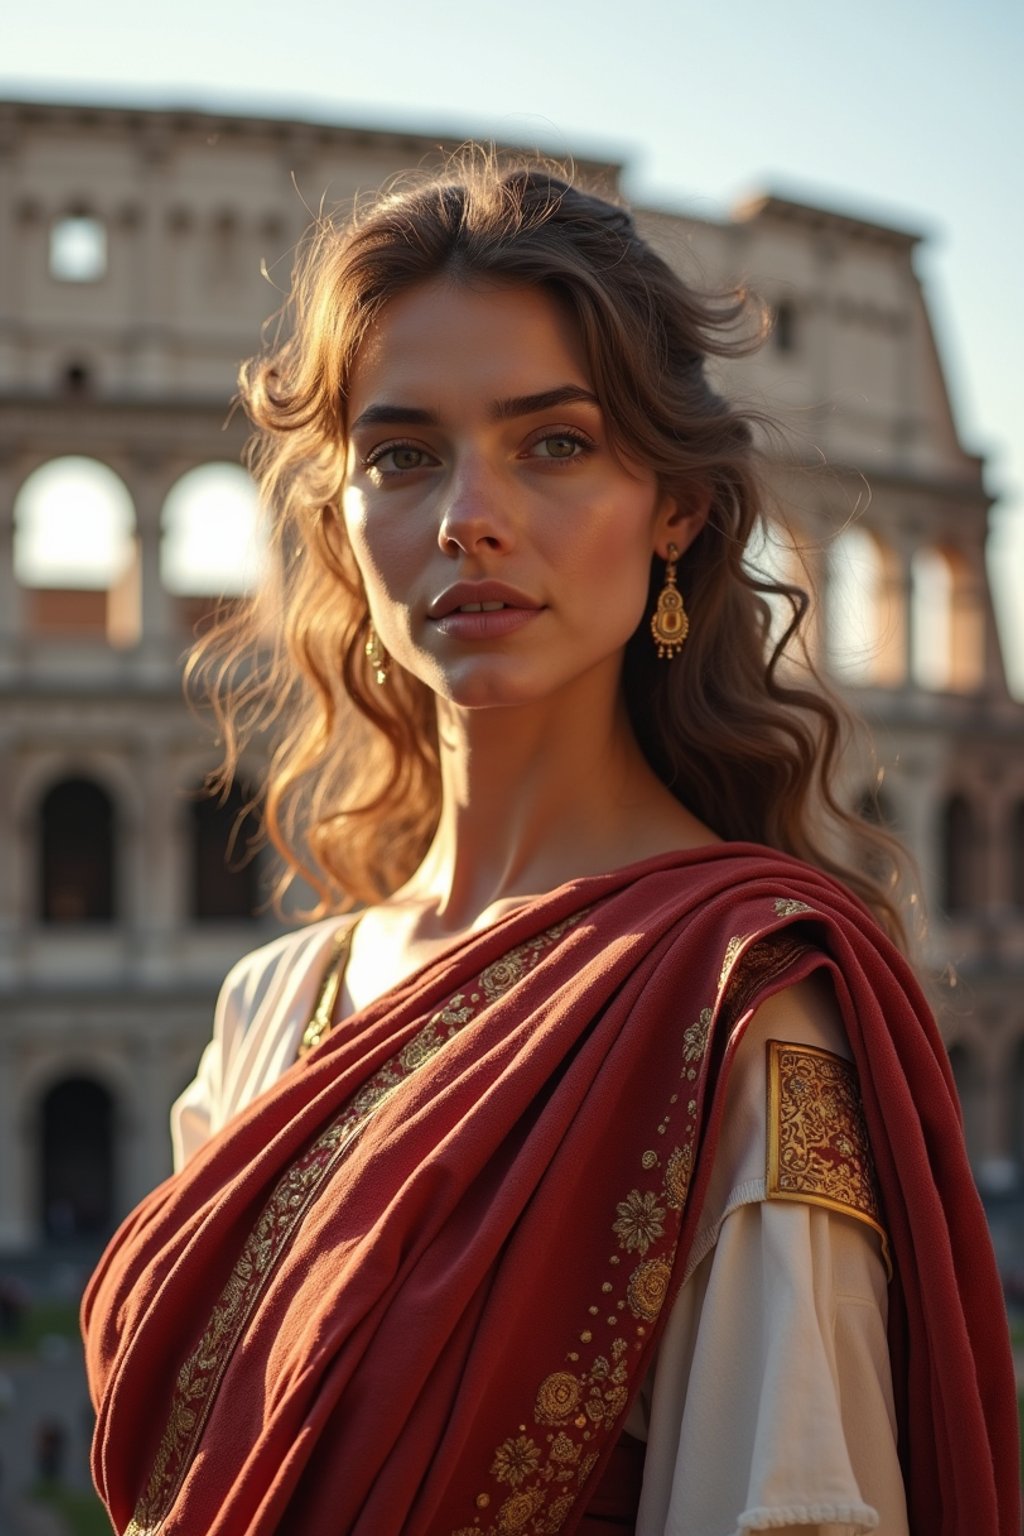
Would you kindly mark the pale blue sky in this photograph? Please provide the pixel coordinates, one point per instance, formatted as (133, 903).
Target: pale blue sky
(908, 111)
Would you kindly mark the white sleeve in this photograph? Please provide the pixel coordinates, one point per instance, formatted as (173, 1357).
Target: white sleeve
(261, 1011)
(770, 1404)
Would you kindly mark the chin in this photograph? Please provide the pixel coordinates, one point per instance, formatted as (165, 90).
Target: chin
(479, 685)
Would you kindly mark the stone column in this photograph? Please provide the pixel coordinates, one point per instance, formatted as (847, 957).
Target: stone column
(161, 854)
(15, 1230)
(158, 629)
(11, 596)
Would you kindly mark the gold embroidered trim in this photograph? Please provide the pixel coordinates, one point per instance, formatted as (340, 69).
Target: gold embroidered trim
(818, 1149)
(195, 1388)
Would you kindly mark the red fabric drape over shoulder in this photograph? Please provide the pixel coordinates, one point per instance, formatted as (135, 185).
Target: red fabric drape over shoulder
(414, 1287)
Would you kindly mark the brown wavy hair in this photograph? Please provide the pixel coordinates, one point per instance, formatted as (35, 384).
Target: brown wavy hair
(740, 727)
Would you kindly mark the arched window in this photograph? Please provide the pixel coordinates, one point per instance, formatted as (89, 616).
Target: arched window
(864, 618)
(1017, 855)
(959, 856)
(77, 854)
(77, 1154)
(213, 537)
(225, 872)
(78, 248)
(74, 551)
(947, 623)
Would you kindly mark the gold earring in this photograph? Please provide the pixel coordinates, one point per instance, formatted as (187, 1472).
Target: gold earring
(669, 623)
(377, 656)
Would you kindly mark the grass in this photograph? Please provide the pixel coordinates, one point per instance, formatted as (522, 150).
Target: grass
(82, 1513)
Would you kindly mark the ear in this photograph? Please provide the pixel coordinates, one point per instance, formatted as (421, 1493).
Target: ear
(678, 522)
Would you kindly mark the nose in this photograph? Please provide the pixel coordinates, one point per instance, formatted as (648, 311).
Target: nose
(475, 513)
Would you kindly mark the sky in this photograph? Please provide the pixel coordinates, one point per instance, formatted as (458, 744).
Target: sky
(904, 111)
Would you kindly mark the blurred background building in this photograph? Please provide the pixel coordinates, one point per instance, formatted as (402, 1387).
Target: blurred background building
(135, 248)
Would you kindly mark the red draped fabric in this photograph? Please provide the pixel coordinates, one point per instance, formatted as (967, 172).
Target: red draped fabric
(415, 1286)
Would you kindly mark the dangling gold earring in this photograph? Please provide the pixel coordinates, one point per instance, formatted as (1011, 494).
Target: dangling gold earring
(669, 623)
(377, 656)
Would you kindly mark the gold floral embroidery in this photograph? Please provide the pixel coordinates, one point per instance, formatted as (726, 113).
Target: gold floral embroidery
(641, 1220)
(677, 1176)
(818, 1148)
(756, 967)
(199, 1377)
(557, 1398)
(647, 1287)
(515, 1460)
(516, 1511)
(785, 907)
(695, 1036)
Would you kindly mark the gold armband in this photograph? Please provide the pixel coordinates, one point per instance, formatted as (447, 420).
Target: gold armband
(818, 1148)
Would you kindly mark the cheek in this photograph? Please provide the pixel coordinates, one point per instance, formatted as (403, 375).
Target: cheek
(380, 545)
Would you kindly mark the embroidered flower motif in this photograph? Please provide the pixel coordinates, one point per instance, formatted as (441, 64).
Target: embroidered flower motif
(420, 1049)
(785, 907)
(640, 1221)
(562, 1448)
(557, 1398)
(677, 1177)
(515, 1460)
(521, 1507)
(647, 1287)
(732, 949)
(557, 1514)
(695, 1037)
(587, 1466)
(504, 973)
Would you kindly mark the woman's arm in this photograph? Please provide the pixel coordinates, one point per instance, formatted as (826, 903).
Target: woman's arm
(770, 1406)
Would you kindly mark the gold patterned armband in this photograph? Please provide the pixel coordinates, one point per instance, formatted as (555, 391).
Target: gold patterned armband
(818, 1149)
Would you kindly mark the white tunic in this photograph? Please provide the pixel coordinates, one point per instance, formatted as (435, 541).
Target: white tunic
(769, 1406)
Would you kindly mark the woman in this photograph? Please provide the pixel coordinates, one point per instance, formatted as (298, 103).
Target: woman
(606, 1172)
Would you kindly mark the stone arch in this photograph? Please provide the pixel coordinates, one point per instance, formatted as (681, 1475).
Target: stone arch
(77, 852)
(958, 856)
(224, 880)
(864, 619)
(74, 532)
(947, 622)
(32, 782)
(77, 1131)
(213, 537)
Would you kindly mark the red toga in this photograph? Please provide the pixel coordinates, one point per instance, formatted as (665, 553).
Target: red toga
(416, 1285)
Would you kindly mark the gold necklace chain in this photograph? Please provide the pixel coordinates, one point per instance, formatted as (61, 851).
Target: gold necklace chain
(322, 1017)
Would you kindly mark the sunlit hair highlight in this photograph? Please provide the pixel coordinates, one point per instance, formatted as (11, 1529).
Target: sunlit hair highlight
(747, 740)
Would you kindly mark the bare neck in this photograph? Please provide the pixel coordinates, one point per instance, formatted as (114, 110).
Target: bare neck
(537, 796)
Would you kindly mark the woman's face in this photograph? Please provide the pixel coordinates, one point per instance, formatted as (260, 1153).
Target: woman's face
(505, 550)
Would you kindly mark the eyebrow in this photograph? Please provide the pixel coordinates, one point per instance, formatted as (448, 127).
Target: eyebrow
(499, 410)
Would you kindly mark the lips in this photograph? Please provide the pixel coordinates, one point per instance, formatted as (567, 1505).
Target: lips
(477, 597)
